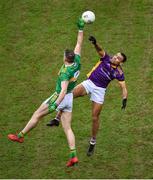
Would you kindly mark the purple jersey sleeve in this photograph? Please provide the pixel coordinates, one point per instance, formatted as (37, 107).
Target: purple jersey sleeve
(120, 74)
(106, 57)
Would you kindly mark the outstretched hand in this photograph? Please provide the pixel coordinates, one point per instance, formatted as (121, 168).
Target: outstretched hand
(80, 24)
(92, 39)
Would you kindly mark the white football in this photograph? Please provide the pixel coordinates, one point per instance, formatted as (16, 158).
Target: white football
(88, 17)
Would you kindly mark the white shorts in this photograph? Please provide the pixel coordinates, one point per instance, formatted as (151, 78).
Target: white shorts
(66, 104)
(96, 93)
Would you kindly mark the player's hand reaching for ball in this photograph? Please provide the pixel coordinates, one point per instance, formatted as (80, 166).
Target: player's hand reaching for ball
(80, 24)
(92, 39)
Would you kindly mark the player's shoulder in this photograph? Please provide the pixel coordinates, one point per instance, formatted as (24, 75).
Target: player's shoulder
(120, 70)
(63, 70)
(72, 68)
(76, 64)
(77, 58)
(106, 56)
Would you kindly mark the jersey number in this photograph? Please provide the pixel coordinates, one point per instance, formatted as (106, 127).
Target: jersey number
(76, 74)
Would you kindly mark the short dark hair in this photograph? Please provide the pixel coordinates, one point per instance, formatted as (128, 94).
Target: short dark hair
(69, 54)
(124, 57)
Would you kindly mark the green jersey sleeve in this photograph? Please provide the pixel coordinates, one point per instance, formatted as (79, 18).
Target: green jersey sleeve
(77, 58)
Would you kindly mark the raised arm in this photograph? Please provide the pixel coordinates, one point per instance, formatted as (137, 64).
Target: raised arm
(77, 49)
(124, 93)
(99, 50)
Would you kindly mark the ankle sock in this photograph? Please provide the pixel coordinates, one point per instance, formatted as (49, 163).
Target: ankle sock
(93, 140)
(20, 135)
(57, 119)
(72, 153)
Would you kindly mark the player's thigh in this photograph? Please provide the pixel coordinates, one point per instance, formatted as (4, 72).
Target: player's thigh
(79, 90)
(66, 118)
(42, 110)
(96, 109)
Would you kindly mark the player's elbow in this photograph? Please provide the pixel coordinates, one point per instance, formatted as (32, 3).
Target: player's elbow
(101, 53)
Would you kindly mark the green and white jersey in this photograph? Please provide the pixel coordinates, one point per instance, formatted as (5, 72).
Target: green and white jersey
(69, 73)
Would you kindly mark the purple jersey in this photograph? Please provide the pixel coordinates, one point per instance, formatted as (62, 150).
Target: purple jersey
(104, 72)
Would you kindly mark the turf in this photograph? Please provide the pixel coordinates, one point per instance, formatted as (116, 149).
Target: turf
(34, 35)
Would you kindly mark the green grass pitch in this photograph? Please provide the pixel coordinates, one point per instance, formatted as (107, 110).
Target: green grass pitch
(33, 36)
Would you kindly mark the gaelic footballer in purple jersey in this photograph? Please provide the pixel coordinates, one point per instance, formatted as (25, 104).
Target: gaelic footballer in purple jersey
(104, 72)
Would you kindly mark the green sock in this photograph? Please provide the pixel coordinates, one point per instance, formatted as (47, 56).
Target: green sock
(20, 135)
(72, 153)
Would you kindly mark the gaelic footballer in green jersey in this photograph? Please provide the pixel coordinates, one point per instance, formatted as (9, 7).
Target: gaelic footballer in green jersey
(68, 73)
(62, 99)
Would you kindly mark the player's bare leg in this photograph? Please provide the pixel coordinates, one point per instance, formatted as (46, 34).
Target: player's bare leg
(96, 109)
(36, 117)
(66, 118)
(66, 124)
(78, 91)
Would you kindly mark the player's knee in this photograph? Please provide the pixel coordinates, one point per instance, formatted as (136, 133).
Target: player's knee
(37, 114)
(95, 118)
(67, 128)
(96, 114)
